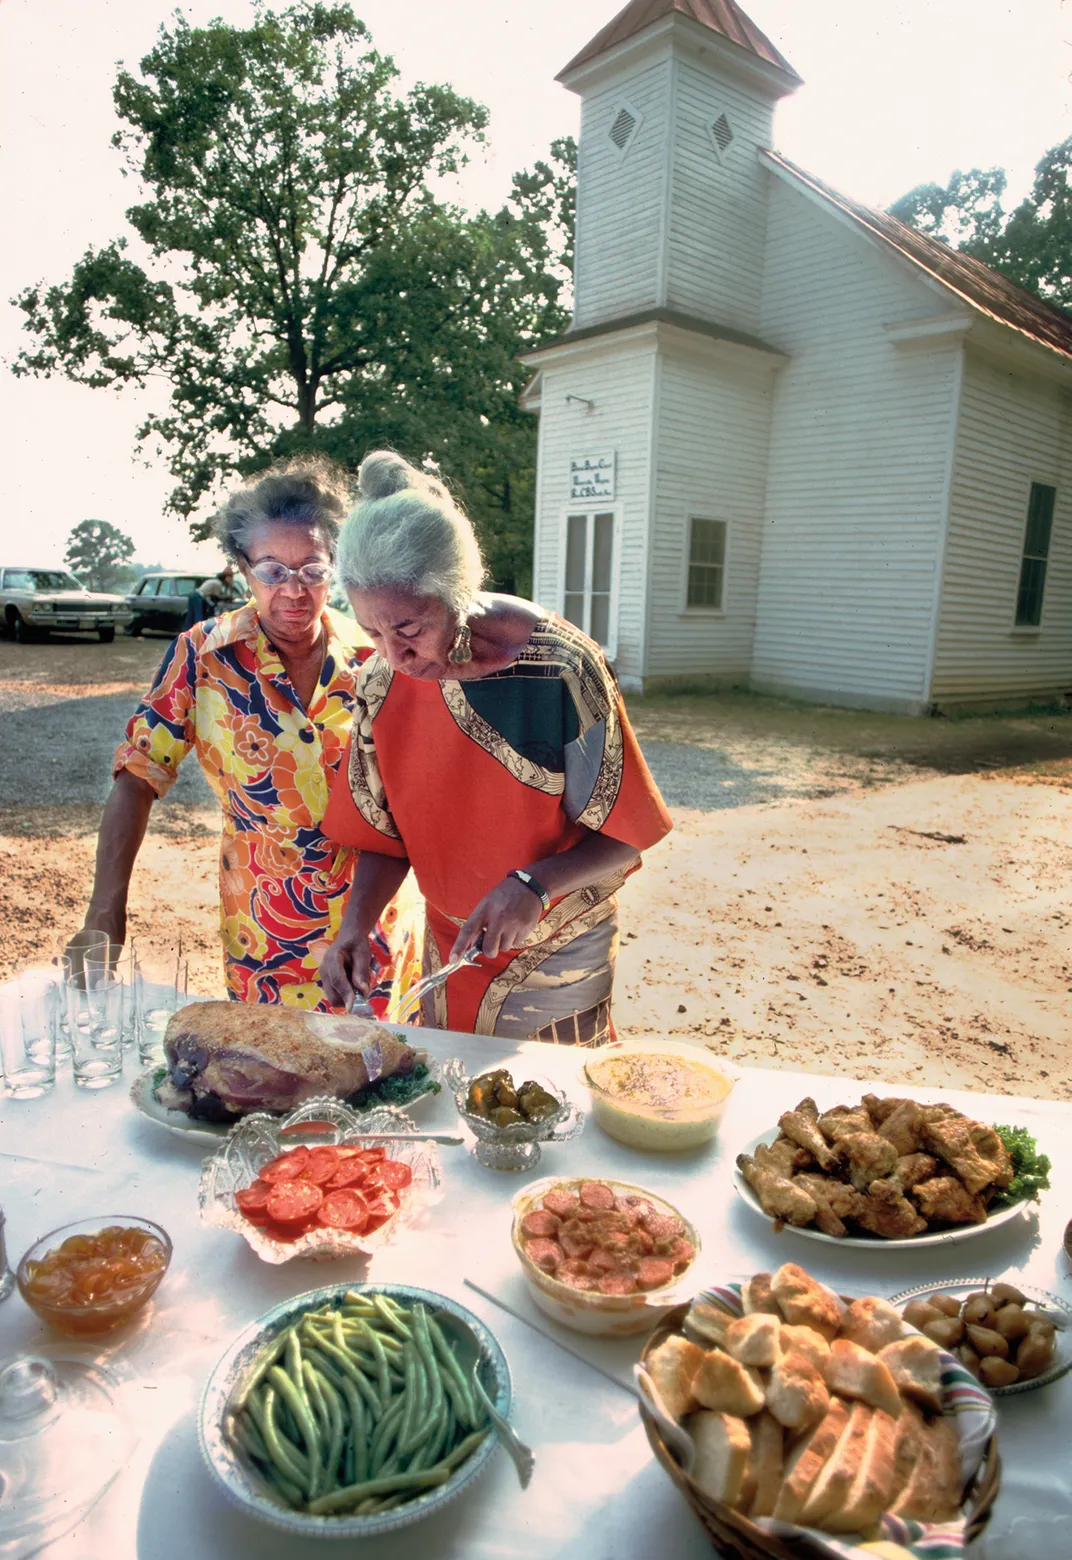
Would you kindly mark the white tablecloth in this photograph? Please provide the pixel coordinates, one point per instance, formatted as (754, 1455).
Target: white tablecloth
(597, 1493)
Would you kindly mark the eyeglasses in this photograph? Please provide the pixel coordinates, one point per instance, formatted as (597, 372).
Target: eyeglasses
(270, 572)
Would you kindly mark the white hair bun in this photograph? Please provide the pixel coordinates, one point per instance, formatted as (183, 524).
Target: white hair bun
(383, 473)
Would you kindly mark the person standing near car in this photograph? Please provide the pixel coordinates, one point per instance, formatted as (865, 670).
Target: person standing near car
(204, 602)
(265, 696)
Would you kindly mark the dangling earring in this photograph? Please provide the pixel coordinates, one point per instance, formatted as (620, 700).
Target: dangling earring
(461, 649)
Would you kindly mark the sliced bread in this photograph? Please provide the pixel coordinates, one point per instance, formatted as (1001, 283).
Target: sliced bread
(806, 1460)
(753, 1340)
(854, 1373)
(872, 1323)
(796, 1393)
(838, 1473)
(802, 1300)
(727, 1387)
(915, 1363)
(672, 1368)
(869, 1492)
(723, 1450)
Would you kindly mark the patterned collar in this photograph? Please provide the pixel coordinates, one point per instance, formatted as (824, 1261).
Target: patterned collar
(245, 625)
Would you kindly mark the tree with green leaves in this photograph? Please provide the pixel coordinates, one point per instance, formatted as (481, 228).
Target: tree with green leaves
(293, 278)
(1031, 245)
(97, 550)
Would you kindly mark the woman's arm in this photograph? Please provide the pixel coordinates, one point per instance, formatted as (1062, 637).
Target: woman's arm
(345, 971)
(510, 911)
(123, 825)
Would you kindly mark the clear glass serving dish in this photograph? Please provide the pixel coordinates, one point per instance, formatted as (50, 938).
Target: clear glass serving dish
(259, 1138)
(63, 1439)
(517, 1146)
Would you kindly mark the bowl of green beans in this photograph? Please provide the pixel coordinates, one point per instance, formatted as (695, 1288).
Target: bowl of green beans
(351, 1410)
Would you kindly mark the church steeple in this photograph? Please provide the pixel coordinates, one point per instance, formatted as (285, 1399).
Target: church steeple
(677, 102)
(722, 17)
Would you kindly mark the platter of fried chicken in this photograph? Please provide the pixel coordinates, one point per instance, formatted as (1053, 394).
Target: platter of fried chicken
(883, 1170)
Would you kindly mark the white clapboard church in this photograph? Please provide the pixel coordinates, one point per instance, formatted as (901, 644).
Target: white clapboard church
(788, 442)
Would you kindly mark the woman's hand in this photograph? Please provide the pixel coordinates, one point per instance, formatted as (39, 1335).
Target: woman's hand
(506, 916)
(113, 923)
(346, 968)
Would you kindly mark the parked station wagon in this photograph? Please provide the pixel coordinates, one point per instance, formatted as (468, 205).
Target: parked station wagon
(33, 601)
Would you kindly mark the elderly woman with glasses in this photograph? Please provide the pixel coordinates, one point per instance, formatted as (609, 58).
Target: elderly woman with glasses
(265, 695)
(491, 753)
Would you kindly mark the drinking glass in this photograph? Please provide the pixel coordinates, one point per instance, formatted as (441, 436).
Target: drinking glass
(69, 959)
(51, 976)
(95, 1066)
(120, 962)
(27, 1040)
(105, 992)
(83, 944)
(161, 988)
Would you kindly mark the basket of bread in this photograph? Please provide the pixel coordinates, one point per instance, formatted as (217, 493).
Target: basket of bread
(797, 1422)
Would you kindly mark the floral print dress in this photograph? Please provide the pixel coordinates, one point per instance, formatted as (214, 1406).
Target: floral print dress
(222, 689)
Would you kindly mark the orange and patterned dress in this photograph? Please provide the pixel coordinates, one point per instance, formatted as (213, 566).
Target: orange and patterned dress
(222, 689)
(471, 778)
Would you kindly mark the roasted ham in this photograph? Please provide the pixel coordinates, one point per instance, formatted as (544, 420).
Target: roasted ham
(227, 1059)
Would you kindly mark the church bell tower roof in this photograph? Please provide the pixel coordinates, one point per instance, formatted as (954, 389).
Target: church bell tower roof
(723, 17)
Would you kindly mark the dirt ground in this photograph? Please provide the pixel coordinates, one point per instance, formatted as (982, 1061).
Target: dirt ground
(847, 893)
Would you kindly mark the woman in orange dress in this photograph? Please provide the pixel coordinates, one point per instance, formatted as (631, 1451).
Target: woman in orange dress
(491, 753)
(264, 696)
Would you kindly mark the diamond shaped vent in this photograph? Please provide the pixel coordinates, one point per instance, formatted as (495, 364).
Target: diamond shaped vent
(721, 134)
(621, 131)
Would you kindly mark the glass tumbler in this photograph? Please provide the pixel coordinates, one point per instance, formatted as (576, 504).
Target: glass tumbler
(161, 991)
(117, 963)
(95, 1066)
(27, 1040)
(69, 959)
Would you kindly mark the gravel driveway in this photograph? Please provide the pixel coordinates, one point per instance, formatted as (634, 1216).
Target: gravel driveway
(58, 750)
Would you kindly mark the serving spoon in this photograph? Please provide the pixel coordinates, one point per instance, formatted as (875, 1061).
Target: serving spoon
(469, 1354)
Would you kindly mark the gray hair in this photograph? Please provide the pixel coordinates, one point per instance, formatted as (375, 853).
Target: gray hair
(406, 533)
(308, 492)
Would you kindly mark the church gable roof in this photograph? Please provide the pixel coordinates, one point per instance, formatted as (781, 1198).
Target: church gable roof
(720, 16)
(980, 287)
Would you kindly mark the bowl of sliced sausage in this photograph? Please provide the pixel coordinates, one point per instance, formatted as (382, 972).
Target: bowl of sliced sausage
(602, 1257)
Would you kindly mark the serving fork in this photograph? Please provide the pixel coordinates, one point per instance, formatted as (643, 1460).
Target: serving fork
(401, 1010)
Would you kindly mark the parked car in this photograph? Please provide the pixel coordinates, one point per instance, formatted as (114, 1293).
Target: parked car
(159, 600)
(32, 601)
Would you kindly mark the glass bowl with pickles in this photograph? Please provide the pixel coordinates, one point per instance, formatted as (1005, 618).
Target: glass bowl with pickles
(510, 1119)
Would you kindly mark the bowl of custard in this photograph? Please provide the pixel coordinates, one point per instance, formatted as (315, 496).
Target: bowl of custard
(658, 1096)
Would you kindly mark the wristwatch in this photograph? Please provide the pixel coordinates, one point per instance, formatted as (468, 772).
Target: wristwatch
(537, 888)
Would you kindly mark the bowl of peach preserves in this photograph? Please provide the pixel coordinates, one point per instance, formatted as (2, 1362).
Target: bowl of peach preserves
(95, 1275)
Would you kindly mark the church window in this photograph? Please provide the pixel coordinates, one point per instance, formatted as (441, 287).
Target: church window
(624, 126)
(707, 564)
(1035, 556)
(588, 574)
(721, 135)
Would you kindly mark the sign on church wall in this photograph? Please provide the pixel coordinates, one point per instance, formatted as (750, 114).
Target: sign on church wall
(592, 476)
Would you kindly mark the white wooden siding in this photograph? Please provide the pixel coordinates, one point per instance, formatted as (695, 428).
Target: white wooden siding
(711, 460)
(1014, 430)
(859, 453)
(717, 209)
(622, 387)
(621, 200)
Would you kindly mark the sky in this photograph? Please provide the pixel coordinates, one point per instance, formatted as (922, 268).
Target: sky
(897, 93)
